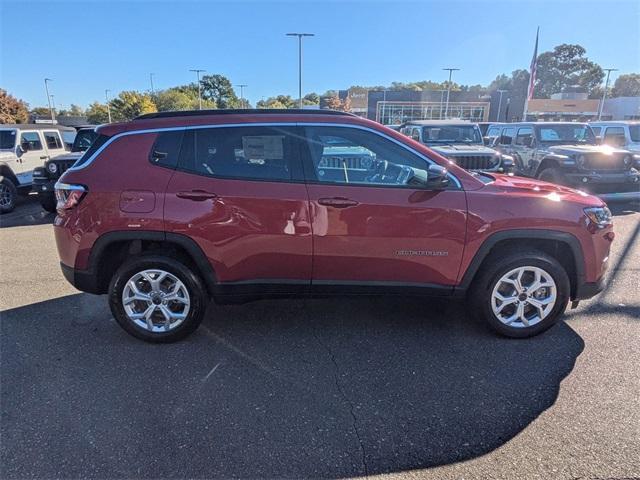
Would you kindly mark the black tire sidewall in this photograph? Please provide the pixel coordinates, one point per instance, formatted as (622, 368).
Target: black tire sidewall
(192, 282)
(553, 176)
(482, 292)
(48, 201)
(14, 192)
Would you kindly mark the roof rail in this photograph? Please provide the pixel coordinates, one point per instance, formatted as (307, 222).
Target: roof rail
(249, 111)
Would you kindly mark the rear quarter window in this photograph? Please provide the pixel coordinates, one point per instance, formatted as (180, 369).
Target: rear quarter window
(166, 149)
(95, 146)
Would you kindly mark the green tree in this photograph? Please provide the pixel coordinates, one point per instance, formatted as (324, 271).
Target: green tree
(280, 101)
(566, 66)
(180, 98)
(627, 85)
(517, 82)
(76, 110)
(311, 99)
(97, 113)
(44, 111)
(12, 110)
(130, 104)
(219, 90)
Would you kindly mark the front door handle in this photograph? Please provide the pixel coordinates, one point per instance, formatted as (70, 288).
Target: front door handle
(44, 157)
(337, 202)
(196, 195)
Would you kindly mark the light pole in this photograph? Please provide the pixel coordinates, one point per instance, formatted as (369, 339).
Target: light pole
(384, 105)
(451, 70)
(53, 103)
(300, 35)
(500, 104)
(153, 92)
(106, 97)
(46, 87)
(242, 85)
(441, 103)
(606, 86)
(197, 72)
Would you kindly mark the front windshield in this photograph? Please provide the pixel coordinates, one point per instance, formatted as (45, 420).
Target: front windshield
(7, 139)
(452, 134)
(634, 133)
(573, 134)
(83, 140)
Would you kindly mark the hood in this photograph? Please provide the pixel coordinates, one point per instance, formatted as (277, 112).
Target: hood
(508, 184)
(573, 149)
(461, 149)
(71, 156)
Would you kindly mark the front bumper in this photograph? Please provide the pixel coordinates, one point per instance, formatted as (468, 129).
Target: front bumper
(609, 186)
(41, 182)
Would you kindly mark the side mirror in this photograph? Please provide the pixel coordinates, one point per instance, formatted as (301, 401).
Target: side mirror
(527, 141)
(434, 177)
(23, 147)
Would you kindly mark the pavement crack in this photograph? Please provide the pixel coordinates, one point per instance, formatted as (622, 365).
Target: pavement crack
(347, 400)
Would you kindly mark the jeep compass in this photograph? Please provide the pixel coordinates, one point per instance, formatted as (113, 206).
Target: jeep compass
(172, 209)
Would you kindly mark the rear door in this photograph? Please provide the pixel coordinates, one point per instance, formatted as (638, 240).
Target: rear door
(239, 193)
(370, 228)
(54, 143)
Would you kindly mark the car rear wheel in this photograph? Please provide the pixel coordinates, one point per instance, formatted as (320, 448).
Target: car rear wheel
(8, 194)
(157, 299)
(521, 294)
(552, 175)
(48, 201)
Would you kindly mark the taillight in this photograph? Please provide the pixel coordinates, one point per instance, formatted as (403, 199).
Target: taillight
(69, 195)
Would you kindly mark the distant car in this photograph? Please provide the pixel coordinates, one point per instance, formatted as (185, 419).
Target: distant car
(461, 142)
(23, 148)
(567, 153)
(618, 134)
(44, 178)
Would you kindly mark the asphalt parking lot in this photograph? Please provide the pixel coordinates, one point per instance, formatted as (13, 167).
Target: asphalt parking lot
(313, 388)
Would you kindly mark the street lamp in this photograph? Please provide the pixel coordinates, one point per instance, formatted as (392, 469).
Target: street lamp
(451, 70)
(441, 102)
(53, 103)
(242, 85)
(300, 35)
(153, 92)
(197, 72)
(106, 97)
(606, 86)
(500, 104)
(46, 87)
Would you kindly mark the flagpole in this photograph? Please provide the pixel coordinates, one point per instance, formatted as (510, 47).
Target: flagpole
(532, 77)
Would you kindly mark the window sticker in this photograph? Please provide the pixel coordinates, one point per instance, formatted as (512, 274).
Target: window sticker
(263, 147)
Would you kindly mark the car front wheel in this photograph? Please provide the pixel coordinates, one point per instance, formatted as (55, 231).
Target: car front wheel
(157, 299)
(7, 195)
(521, 294)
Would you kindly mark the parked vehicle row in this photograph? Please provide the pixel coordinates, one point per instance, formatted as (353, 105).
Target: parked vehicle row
(238, 205)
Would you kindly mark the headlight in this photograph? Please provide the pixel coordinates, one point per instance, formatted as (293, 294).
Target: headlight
(52, 167)
(599, 216)
(507, 160)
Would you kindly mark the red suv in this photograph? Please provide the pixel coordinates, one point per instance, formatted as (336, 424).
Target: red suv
(171, 209)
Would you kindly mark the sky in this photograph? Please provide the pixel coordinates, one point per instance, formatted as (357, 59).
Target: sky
(89, 46)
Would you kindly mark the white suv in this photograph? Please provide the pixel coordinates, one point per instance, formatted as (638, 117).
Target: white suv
(23, 148)
(619, 134)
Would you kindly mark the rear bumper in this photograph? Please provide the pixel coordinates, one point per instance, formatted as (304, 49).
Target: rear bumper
(83, 280)
(587, 290)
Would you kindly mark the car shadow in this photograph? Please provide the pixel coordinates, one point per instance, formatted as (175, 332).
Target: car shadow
(27, 212)
(299, 388)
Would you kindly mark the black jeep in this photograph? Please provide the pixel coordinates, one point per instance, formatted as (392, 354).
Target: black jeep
(44, 178)
(567, 154)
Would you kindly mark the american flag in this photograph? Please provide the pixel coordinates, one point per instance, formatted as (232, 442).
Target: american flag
(533, 68)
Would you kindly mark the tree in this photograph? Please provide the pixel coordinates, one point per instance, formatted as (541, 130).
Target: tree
(12, 110)
(334, 103)
(281, 101)
(75, 110)
(566, 66)
(43, 111)
(97, 113)
(180, 98)
(518, 82)
(218, 89)
(311, 99)
(131, 104)
(627, 85)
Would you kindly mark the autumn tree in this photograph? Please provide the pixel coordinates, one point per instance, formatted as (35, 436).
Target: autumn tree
(280, 101)
(43, 111)
(334, 103)
(97, 113)
(181, 98)
(627, 85)
(12, 110)
(130, 104)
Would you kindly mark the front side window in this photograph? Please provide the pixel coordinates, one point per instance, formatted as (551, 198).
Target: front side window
(253, 153)
(30, 140)
(567, 134)
(352, 156)
(493, 132)
(634, 133)
(7, 139)
(596, 130)
(524, 136)
(415, 134)
(507, 136)
(53, 140)
(451, 134)
(614, 136)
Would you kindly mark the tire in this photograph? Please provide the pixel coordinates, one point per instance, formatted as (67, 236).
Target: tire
(553, 175)
(491, 279)
(8, 193)
(195, 295)
(48, 201)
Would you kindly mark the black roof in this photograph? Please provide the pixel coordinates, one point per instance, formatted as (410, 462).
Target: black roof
(244, 111)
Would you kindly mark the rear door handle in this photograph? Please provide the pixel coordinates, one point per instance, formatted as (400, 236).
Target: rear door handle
(196, 195)
(337, 202)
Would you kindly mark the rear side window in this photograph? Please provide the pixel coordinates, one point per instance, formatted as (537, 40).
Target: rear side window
(99, 141)
(254, 153)
(31, 140)
(166, 149)
(53, 140)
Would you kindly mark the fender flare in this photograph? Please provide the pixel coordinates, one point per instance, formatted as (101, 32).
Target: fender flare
(7, 171)
(524, 234)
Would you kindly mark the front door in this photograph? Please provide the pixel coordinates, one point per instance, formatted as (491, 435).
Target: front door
(239, 193)
(371, 226)
(32, 155)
